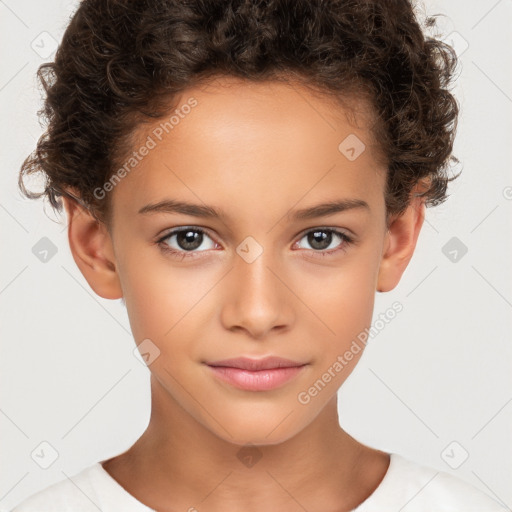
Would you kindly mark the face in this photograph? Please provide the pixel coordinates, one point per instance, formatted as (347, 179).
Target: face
(257, 267)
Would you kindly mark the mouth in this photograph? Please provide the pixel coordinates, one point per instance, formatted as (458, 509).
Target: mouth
(256, 374)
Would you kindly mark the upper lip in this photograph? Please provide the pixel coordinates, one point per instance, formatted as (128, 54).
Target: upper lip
(266, 363)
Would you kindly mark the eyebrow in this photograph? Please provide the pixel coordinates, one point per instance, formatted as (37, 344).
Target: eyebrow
(205, 211)
(173, 206)
(330, 208)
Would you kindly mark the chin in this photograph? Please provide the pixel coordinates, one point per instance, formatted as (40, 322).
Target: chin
(254, 430)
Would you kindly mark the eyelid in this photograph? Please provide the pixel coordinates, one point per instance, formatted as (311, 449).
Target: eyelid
(177, 229)
(343, 231)
(172, 231)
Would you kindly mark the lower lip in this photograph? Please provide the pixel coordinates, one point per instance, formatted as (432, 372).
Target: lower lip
(260, 380)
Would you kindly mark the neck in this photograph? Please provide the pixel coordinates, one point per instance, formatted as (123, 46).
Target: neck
(178, 464)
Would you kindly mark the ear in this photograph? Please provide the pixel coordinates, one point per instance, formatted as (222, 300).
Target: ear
(400, 242)
(91, 247)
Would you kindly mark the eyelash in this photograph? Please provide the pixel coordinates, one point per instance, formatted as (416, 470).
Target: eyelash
(346, 241)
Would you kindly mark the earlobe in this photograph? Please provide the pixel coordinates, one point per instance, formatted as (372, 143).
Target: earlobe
(401, 238)
(91, 246)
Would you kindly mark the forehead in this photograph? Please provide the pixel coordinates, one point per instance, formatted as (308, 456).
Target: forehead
(231, 137)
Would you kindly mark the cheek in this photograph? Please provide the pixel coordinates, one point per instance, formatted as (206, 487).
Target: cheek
(169, 306)
(156, 295)
(346, 293)
(344, 302)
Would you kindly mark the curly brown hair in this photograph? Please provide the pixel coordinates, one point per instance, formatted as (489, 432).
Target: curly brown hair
(121, 62)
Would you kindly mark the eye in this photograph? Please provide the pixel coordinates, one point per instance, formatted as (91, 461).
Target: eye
(324, 240)
(185, 240)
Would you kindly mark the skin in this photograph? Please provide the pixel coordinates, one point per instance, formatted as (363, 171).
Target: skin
(257, 152)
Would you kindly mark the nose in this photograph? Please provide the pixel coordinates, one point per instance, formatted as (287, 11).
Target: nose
(257, 298)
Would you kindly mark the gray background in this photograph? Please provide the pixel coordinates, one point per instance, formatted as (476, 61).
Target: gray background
(434, 385)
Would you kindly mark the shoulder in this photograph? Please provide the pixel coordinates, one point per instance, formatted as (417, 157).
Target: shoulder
(90, 490)
(411, 487)
(77, 493)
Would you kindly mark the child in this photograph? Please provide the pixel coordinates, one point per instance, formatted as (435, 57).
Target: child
(245, 175)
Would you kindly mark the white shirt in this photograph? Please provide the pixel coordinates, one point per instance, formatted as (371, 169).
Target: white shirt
(406, 487)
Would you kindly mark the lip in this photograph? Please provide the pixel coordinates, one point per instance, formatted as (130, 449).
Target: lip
(265, 363)
(256, 374)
